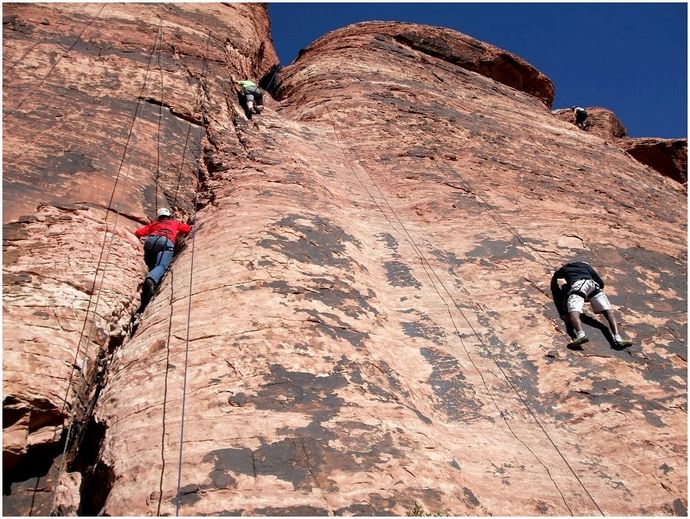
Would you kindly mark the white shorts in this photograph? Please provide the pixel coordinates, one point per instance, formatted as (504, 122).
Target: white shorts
(576, 302)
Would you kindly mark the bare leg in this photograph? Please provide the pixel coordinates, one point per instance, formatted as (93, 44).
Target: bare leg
(619, 341)
(581, 338)
(575, 320)
(612, 322)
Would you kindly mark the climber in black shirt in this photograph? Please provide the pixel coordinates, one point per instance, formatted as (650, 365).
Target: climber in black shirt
(580, 116)
(582, 283)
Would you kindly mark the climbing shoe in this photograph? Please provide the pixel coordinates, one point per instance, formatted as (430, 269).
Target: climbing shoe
(578, 342)
(136, 319)
(146, 294)
(620, 344)
(149, 287)
(134, 323)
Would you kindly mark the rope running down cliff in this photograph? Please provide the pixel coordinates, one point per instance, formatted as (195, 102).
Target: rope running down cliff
(488, 351)
(189, 313)
(549, 268)
(423, 260)
(160, 117)
(54, 33)
(40, 84)
(100, 261)
(494, 214)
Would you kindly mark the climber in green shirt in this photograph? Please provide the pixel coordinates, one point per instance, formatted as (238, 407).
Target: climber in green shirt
(251, 95)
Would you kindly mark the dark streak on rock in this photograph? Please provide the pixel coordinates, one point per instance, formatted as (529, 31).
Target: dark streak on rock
(497, 250)
(470, 498)
(390, 242)
(188, 495)
(322, 242)
(457, 399)
(335, 293)
(399, 275)
(339, 330)
(304, 454)
(425, 328)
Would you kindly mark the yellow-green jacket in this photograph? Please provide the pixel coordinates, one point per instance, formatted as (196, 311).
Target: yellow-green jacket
(247, 85)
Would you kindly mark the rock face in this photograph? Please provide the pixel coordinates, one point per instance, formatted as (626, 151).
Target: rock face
(362, 319)
(447, 46)
(667, 156)
(103, 123)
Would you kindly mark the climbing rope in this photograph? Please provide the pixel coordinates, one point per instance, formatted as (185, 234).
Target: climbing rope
(165, 392)
(54, 33)
(423, 260)
(186, 364)
(490, 209)
(197, 107)
(98, 267)
(57, 62)
(182, 161)
(189, 312)
(268, 86)
(160, 117)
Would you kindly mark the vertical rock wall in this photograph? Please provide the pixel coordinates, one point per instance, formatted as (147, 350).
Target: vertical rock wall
(363, 321)
(104, 113)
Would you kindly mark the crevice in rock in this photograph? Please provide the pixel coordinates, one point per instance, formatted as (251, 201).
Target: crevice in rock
(85, 441)
(182, 115)
(270, 80)
(32, 485)
(86, 437)
(97, 476)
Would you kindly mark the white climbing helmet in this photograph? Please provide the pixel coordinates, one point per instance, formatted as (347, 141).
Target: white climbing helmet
(164, 211)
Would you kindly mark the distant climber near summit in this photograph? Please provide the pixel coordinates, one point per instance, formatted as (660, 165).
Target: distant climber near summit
(582, 283)
(580, 116)
(158, 250)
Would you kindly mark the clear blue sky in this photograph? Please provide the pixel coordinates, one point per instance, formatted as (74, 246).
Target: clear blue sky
(629, 58)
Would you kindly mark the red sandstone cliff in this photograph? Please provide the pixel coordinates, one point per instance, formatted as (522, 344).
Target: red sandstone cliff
(666, 156)
(370, 323)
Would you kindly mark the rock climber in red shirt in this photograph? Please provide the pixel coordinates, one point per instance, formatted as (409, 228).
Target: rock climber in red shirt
(158, 249)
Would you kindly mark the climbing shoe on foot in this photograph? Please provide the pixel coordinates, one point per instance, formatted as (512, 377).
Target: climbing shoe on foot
(146, 294)
(578, 342)
(149, 287)
(620, 344)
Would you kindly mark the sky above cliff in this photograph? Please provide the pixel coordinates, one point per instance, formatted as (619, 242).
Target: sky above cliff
(629, 58)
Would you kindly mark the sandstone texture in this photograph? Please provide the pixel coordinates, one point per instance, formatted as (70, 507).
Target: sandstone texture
(451, 47)
(361, 321)
(666, 156)
(103, 109)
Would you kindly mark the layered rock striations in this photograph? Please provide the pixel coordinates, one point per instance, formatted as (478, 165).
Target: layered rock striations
(362, 320)
(104, 110)
(666, 156)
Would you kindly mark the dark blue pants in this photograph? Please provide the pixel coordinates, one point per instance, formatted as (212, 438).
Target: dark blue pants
(158, 253)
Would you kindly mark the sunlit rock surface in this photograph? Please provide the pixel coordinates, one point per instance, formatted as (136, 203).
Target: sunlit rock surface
(666, 156)
(362, 320)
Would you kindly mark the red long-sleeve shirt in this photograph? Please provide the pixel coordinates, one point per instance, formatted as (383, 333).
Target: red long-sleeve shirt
(169, 228)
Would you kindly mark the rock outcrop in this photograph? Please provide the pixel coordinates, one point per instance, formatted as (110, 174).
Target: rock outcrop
(361, 320)
(444, 45)
(666, 156)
